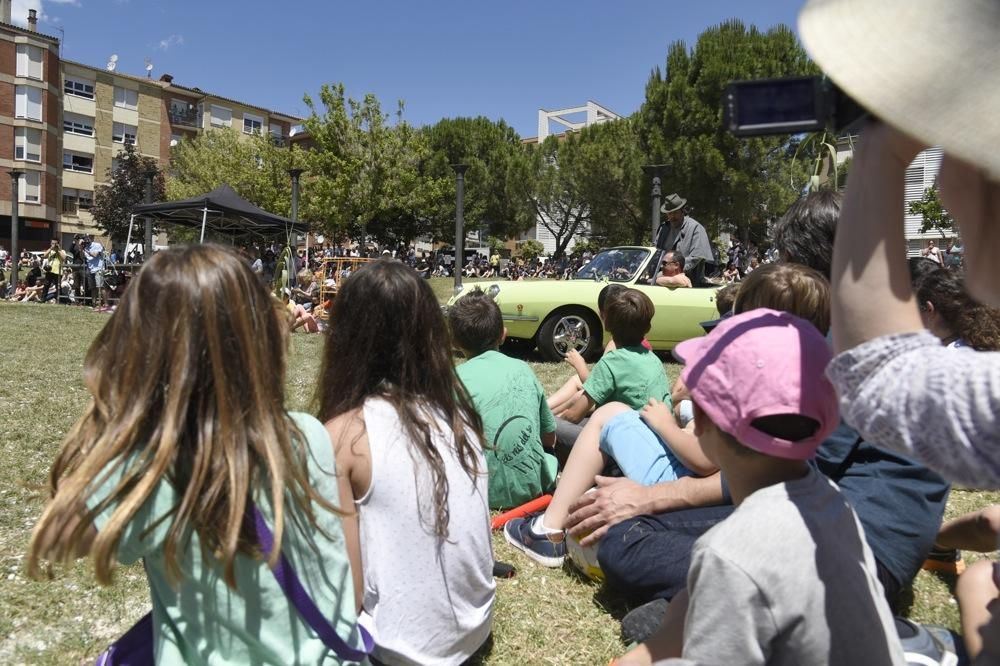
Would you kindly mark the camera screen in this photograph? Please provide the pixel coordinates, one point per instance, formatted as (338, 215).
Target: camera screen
(760, 107)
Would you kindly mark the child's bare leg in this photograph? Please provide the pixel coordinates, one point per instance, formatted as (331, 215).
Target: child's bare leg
(561, 399)
(975, 592)
(975, 531)
(585, 462)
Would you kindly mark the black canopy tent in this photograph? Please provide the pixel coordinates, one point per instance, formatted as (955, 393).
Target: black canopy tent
(222, 211)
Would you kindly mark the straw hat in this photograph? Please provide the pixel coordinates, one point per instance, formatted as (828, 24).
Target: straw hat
(929, 68)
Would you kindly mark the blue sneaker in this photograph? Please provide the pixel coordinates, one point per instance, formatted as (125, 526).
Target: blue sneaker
(549, 550)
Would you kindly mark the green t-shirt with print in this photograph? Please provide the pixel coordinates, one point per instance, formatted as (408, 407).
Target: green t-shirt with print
(202, 620)
(631, 375)
(512, 404)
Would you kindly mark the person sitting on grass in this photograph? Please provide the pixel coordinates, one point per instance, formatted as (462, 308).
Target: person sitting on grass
(185, 478)
(792, 557)
(630, 373)
(571, 390)
(517, 423)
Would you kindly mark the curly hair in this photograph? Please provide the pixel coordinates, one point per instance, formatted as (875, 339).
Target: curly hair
(976, 324)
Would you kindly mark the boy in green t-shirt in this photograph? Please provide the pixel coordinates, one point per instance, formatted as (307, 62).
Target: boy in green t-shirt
(630, 373)
(516, 419)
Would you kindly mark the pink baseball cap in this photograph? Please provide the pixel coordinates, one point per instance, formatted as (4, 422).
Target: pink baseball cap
(762, 363)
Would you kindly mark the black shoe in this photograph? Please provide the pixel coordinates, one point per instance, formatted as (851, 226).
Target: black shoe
(640, 623)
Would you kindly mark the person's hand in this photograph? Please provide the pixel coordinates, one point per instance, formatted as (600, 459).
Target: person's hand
(614, 500)
(574, 358)
(658, 416)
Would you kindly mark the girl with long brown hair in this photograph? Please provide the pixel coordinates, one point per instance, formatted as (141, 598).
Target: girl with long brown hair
(409, 451)
(179, 447)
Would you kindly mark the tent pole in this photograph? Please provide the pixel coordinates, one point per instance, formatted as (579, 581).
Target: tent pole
(128, 241)
(204, 220)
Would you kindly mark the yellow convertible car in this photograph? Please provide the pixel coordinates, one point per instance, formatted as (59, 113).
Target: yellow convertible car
(559, 315)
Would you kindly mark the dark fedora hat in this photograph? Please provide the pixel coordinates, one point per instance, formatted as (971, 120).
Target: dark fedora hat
(673, 202)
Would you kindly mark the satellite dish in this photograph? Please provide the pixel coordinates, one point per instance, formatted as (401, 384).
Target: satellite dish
(149, 68)
(112, 62)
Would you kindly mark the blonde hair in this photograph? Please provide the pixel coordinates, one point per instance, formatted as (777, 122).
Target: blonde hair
(198, 349)
(793, 288)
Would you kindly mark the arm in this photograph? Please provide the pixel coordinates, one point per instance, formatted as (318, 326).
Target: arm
(574, 358)
(870, 278)
(350, 443)
(619, 499)
(684, 444)
(581, 406)
(681, 280)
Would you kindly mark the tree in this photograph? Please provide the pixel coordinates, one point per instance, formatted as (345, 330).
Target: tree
(113, 203)
(608, 168)
(495, 158)
(497, 244)
(530, 249)
(933, 213)
(364, 175)
(555, 191)
(729, 182)
(253, 166)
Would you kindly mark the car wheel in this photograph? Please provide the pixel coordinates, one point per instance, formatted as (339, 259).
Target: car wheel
(574, 328)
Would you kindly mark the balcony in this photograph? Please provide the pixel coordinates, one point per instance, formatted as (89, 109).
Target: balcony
(184, 117)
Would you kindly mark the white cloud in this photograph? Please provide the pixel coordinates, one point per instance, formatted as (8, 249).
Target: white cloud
(19, 10)
(170, 41)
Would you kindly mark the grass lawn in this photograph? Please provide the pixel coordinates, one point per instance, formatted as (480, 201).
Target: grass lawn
(542, 615)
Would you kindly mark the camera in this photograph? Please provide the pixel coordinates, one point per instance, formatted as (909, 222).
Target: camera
(791, 105)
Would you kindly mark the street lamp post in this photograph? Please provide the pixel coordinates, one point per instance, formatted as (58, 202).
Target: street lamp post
(655, 170)
(15, 253)
(295, 173)
(147, 250)
(459, 223)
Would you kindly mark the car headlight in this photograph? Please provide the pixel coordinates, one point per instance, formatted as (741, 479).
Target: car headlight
(493, 290)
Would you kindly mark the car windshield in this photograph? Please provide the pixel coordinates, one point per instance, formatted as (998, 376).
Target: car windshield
(616, 264)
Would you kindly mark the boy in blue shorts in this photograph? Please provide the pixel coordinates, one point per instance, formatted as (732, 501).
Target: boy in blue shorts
(788, 577)
(517, 422)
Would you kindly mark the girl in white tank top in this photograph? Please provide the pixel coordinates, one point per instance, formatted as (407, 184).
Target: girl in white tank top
(409, 452)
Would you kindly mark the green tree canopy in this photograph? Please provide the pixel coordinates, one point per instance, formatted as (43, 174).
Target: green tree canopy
(933, 213)
(365, 175)
(113, 203)
(729, 182)
(253, 166)
(494, 193)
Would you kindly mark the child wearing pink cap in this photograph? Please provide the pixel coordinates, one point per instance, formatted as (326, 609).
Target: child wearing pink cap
(788, 578)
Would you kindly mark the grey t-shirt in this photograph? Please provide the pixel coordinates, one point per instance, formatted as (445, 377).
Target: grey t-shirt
(788, 579)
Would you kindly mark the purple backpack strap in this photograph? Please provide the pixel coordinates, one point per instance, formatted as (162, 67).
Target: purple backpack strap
(290, 584)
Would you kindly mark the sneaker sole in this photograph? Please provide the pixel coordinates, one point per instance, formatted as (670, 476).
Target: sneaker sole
(550, 562)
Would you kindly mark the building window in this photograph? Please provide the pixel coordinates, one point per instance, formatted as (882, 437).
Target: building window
(27, 144)
(28, 102)
(76, 124)
(115, 165)
(30, 187)
(77, 162)
(252, 124)
(126, 99)
(79, 88)
(183, 113)
(221, 116)
(29, 61)
(76, 200)
(277, 133)
(122, 133)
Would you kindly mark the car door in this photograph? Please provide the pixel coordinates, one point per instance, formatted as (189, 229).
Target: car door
(678, 313)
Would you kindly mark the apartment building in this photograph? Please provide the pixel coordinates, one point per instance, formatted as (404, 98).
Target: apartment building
(62, 124)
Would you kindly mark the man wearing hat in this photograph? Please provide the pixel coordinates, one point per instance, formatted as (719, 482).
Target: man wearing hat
(686, 235)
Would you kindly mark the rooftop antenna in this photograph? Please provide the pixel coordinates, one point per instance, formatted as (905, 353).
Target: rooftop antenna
(149, 68)
(62, 41)
(112, 62)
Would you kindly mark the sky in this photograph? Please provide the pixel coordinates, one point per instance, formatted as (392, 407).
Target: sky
(504, 59)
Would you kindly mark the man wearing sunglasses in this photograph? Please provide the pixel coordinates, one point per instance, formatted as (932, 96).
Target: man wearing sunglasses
(672, 271)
